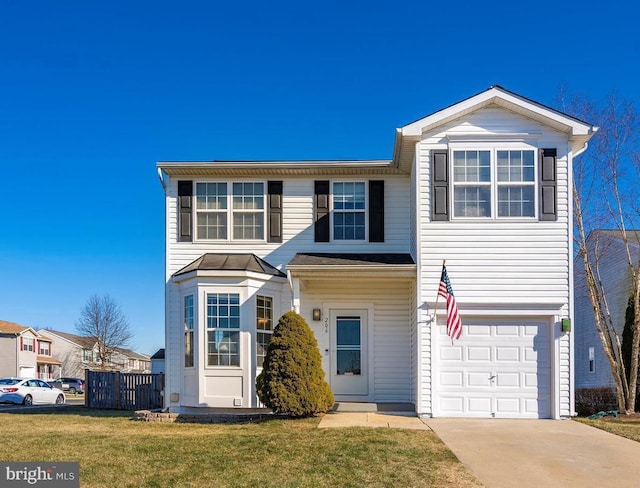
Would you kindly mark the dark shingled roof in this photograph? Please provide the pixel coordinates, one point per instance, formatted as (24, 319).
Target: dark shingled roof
(342, 259)
(159, 354)
(231, 262)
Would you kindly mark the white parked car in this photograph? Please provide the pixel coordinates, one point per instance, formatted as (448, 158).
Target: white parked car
(29, 391)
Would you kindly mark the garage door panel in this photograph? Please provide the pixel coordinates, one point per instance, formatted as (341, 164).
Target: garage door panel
(508, 405)
(452, 353)
(507, 353)
(451, 379)
(479, 379)
(477, 331)
(508, 380)
(479, 405)
(505, 366)
(478, 353)
(507, 331)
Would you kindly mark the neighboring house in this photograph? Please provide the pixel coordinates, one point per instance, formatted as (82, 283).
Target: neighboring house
(25, 352)
(78, 353)
(591, 364)
(356, 247)
(157, 362)
(132, 362)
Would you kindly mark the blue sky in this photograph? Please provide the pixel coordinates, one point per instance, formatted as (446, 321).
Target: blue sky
(93, 94)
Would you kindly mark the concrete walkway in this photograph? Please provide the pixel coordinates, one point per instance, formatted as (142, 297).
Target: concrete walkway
(540, 453)
(394, 415)
(397, 420)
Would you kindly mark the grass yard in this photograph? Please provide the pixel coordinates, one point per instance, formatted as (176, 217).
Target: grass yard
(115, 451)
(625, 425)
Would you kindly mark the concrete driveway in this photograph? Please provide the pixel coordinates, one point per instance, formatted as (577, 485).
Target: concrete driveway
(540, 453)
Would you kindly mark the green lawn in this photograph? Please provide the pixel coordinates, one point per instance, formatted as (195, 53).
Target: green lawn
(115, 451)
(624, 426)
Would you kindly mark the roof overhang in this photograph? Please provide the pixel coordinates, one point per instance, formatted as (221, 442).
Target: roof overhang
(201, 274)
(283, 168)
(578, 131)
(341, 266)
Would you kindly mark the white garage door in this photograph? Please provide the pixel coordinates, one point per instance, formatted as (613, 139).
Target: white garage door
(499, 368)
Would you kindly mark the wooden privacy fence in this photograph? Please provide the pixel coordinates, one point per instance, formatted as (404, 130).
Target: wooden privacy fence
(123, 391)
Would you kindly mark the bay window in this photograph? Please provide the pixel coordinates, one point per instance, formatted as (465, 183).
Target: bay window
(264, 326)
(188, 331)
(223, 329)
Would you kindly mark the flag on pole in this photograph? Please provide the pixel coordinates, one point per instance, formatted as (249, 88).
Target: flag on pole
(454, 324)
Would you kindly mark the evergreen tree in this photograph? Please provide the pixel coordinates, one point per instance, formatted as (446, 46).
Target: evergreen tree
(292, 381)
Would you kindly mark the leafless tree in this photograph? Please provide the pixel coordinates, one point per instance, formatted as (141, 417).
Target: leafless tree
(605, 197)
(102, 319)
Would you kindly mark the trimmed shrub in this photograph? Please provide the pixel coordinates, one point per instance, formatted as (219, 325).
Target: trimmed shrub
(594, 400)
(292, 380)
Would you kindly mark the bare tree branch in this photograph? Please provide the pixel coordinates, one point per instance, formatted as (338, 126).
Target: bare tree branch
(102, 319)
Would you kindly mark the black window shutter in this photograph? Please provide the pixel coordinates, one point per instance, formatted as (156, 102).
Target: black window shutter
(185, 211)
(321, 211)
(440, 185)
(376, 211)
(274, 211)
(548, 184)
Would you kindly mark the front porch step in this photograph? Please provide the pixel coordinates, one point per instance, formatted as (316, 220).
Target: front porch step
(373, 407)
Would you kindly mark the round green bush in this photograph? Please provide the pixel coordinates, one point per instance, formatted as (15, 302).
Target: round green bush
(292, 380)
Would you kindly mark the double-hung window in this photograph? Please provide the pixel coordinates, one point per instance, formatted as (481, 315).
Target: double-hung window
(27, 344)
(188, 331)
(349, 211)
(494, 183)
(223, 329)
(264, 326)
(217, 209)
(45, 349)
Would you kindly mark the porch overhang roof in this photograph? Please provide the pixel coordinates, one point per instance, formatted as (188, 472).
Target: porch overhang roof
(333, 265)
(47, 360)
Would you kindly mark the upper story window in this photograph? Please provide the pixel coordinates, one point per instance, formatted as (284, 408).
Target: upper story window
(243, 207)
(494, 183)
(264, 326)
(223, 329)
(349, 211)
(188, 331)
(592, 360)
(45, 349)
(28, 344)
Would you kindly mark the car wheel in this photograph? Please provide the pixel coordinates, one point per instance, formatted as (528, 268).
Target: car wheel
(72, 390)
(60, 400)
(28, 400)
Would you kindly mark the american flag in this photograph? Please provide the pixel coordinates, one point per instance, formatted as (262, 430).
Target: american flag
(454, 324)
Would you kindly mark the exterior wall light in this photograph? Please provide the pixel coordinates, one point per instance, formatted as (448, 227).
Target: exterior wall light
(317, 314)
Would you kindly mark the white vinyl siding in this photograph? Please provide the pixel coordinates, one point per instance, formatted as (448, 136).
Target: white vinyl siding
(498, 263)
(391, 320)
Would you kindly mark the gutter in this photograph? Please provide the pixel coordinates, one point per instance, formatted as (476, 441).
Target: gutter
(161, 178)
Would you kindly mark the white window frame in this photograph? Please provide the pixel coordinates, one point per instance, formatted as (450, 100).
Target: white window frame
(493, 184)
(28, 344)
(265, 328)
(364, 211)
(212, 332)
(592, 360)
(229, 211)
(42, 351)
(189, 321)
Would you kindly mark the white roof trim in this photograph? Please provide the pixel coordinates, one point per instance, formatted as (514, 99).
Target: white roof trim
(508, 100)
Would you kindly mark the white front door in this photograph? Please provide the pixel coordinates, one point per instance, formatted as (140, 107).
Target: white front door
(349, 365)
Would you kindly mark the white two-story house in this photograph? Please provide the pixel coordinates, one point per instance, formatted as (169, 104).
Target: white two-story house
(356, 247)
